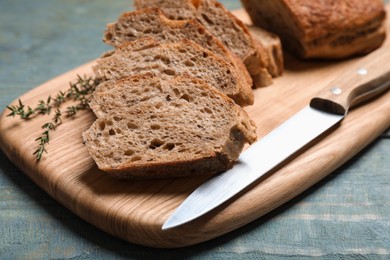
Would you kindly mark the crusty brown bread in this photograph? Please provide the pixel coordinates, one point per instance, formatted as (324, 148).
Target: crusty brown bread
(222, 24)
(322, 29)
(173, 59)
(273, 46)
(153, 23)
(148, 127)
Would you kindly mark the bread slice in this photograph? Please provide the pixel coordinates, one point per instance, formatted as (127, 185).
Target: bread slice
(173, 59)
(273, 46)
(223, 25)
(151, 22)
(322, 29)
(154, 128)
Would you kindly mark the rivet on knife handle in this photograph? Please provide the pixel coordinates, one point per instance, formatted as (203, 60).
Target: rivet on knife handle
(366, 80)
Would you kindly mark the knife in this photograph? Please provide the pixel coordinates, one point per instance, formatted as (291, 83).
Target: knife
(368, 78)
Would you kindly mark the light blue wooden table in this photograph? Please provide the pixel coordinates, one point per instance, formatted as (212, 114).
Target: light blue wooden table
(345, 216)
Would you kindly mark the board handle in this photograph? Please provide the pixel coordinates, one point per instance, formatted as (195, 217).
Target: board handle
(366, 79)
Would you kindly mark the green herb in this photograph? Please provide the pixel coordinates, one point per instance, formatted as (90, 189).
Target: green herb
(79, 91)
(42, 108)
(44, 139)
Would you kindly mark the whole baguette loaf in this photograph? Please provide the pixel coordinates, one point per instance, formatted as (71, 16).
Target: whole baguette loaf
(222, 24)
(322, 29)
(151, 22)
(154, 128)
(173, 59)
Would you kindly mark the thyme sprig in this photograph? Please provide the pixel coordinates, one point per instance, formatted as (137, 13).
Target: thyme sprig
(43, 139)
(79, 91)
(19, 110)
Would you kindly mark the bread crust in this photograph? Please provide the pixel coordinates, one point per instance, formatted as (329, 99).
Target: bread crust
(316, 19)
(322, 29)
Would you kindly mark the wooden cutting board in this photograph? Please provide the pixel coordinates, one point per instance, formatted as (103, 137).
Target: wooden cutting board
(136, 210)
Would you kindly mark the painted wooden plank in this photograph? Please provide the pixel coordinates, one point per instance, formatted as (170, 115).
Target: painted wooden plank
(61, 234)
(136, 210)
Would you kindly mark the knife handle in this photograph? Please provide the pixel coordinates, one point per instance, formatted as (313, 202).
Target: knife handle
(361, 82)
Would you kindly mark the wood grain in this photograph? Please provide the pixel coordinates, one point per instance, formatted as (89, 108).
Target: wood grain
(136, 210)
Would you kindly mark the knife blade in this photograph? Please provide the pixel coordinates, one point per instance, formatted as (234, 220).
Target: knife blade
(362, 81)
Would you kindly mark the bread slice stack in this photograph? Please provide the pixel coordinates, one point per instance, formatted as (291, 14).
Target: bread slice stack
(215, 19)
(149, 127)
(151, 22)
(170, 100)
(174, 59)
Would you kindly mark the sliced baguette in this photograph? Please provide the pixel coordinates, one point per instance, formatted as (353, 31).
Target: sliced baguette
(152, 22)
(225, 26)
(154, 128)
(173, 59)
